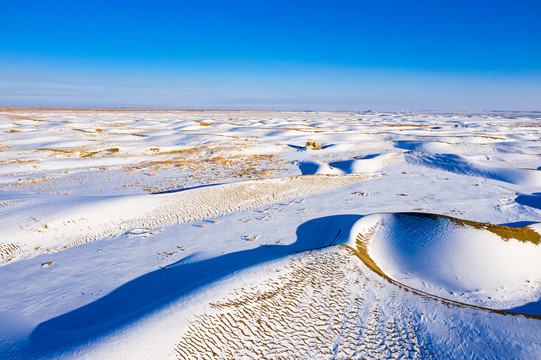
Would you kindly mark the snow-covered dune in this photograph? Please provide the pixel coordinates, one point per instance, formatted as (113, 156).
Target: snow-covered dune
(474, 263)
(252, 234)
(328, 304)
(112, 216)
(463, 165)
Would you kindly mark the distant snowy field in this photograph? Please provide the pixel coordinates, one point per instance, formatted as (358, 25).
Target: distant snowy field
(309, 235)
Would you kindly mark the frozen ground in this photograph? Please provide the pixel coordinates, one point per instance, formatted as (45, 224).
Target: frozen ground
(269, 235)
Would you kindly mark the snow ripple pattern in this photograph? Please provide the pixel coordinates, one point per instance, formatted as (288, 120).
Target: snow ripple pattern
(108, 217)
(327, 304)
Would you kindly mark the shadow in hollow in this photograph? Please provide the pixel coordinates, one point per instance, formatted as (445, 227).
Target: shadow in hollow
(533, 308)
(303, 148)
(533, 200)
(151, 292)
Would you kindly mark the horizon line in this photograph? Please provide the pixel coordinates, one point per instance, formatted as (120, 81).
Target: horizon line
(157, 109)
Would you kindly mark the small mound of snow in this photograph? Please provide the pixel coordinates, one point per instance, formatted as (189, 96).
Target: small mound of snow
(317, 167)
(368, 164)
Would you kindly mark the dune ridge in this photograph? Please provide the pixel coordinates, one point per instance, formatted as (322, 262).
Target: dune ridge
(312, 262)
(118, 215)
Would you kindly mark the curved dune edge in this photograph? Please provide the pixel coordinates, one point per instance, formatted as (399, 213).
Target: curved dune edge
(360, 241)
(325, 302)
(370, 263)
(118, 215)
(320, 288)
(464, 165)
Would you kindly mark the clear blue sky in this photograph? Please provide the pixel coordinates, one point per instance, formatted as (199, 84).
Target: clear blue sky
(347, 55)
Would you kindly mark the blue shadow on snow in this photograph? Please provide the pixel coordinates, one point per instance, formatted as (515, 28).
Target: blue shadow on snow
(155, 290)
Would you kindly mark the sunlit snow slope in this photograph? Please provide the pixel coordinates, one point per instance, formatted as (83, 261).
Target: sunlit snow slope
(269, 235)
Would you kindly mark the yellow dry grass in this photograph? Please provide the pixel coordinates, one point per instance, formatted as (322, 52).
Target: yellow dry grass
(312, 144)
(82, 152)
(202, 123)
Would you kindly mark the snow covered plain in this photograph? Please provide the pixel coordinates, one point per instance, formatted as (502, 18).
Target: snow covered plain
(149, 235)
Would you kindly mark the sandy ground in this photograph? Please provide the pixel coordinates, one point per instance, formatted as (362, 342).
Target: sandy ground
(228, 234)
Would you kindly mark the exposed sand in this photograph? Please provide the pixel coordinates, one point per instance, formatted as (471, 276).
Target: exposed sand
(227, 234)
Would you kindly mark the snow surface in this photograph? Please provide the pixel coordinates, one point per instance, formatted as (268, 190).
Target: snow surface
(453, 260)
(222, 235)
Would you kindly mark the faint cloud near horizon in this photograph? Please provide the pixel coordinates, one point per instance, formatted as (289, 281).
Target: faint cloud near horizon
(326, 90)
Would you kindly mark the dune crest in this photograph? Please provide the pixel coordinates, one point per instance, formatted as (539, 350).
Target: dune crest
(117, 215)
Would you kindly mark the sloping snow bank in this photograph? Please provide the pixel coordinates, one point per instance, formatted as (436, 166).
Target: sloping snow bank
(109, 216)
(474, 263)
(295, 308)
(467, 166)
(458, 164)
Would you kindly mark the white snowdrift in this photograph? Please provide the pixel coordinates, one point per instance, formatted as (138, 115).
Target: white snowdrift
(466, 166)
(316, 167)
(464, 261)
(116, 215)
(368, 164)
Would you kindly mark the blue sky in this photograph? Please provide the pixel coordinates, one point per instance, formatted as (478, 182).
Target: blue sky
(313, 55)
